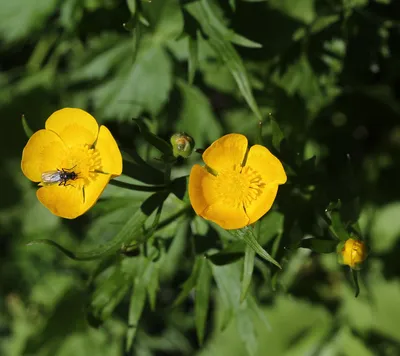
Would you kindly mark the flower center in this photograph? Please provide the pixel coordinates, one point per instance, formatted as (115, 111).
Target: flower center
(240, 186)
(85, 161)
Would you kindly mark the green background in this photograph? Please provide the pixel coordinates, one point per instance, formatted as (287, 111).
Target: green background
(322, 75)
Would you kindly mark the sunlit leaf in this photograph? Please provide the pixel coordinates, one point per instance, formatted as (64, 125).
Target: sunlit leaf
(247, 235)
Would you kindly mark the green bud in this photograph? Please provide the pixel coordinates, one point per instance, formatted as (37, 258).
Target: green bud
(182, 144)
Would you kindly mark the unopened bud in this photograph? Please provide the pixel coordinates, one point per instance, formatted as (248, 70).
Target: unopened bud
(182, 144)
(352, 253)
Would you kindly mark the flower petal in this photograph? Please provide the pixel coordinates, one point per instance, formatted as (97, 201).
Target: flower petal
(201, 189)
(226, 152)
(208, 203)
(111, 159)
(94, 189)
(261, 206)
(70, 202)
(266, 164)
(63, 201)
(74, 126)
(43, 152)
(227, 216)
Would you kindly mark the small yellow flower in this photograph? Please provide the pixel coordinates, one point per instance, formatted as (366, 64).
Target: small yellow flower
(237, 186)
(353, 253)
(71, 141)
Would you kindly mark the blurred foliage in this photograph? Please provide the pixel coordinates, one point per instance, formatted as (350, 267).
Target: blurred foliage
(322, 76)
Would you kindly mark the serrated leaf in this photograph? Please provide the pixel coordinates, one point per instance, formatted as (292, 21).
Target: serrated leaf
(202, 297)
(166, 17)
(248, 267)
(226, 52)
(135, 87)
(247, 235)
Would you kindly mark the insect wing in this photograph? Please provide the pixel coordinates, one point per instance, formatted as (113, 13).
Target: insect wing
(51, 177)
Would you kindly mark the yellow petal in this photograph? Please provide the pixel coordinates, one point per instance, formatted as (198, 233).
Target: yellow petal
(66, 202)
(226, 152)
(209, 204)
(260, 159)
(94, 189)
(262, 204)
(111, 159)
(201, 189)
(44, 152)
(74, 126)
(71, 201)
(226, 216)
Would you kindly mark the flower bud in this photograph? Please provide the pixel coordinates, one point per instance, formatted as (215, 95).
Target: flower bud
(352, 253)
(182, 144)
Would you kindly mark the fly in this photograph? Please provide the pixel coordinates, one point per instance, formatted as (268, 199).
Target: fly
(60, 176)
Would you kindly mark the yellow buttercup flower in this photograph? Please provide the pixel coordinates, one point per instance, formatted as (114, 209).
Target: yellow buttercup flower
(353, 253)
(81, 155)
(237, 186)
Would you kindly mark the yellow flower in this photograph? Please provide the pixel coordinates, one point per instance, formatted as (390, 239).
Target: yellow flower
(237, 187)
(354, 252)
(71, 143)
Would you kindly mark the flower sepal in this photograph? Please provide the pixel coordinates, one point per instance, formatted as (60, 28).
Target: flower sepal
(182, 144)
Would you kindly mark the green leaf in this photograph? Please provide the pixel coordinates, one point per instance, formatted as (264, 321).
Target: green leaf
(385, 228)
(111, 286)
(132, 88)
(202, 297)
(189, 284)
(248, 267)
(131, 231)
(277, 134)
(165, 17)
(303, 10)
(226, 52)
(354, 274)
(196, 116)
(230, 254)
(136, 168)
(215, 23)
(247, 235)
(136, 305)
(228, 282)
(19, 19)
(28, 131)
(157, 142)
(319, 245)
(132, 6)
(337, 227)
(152, 286)
(193, 59)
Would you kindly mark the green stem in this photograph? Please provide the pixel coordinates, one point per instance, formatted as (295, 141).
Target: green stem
(142, 188)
